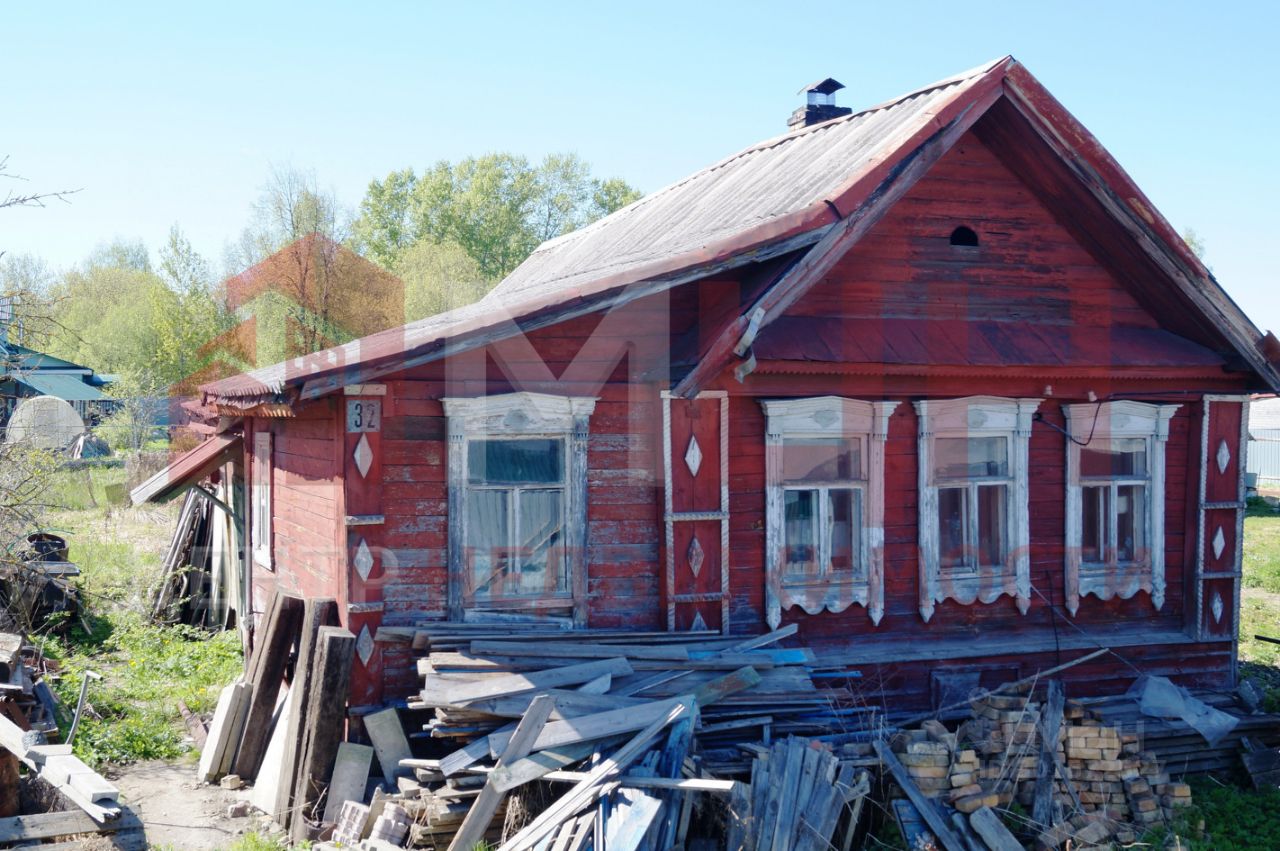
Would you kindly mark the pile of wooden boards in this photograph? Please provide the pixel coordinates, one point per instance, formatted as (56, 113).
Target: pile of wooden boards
(286, 740)
(1083, 781)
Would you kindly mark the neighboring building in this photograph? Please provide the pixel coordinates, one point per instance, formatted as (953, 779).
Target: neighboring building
(933, 380)
(25, 373)
(1264, 443)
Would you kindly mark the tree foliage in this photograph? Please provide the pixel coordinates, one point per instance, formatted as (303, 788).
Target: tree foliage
(438, 276)
(497, 208)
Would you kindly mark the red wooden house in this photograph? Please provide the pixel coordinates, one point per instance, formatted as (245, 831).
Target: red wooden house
(934, 380)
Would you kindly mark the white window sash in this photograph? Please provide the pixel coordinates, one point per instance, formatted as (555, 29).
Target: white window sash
(976, 417)
(260, 526)
(1100, 423)
(826, 417)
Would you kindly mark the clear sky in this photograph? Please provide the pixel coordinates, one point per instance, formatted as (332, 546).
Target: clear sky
(164, 112)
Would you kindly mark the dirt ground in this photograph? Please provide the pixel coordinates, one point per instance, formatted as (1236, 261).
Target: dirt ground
(178, 812)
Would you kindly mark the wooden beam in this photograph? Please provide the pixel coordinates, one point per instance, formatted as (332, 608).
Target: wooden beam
(988, 826)
(549, 678)
(927, 808)
(1050, 724)
(265, 676)
(325, 714)
(317, 612)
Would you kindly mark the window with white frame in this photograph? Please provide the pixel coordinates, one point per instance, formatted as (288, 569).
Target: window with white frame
(1115, 500)
(517, 505)
(260, 505)
(974, 523)
(825, 504)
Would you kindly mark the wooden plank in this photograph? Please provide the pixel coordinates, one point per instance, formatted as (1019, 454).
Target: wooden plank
(387, 734)
(993, 832)
(317, 612)
(574, 649)
(265, 676)
(927, 808)
(266, 789)
(550, 678)
(589, 788)
(36, 826)
(545, 763)
(588, 727)
(325, 715)
(633, 815)
(1050, 724)
(350, 778)
(490, 799)
(211, 758)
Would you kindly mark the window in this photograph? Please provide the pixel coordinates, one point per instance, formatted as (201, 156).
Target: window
(517, 505)
(1115, 500)
(825, 504)
(974, 524)
(260, 507)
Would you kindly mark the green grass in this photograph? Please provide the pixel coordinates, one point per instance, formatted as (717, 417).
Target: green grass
(146, 668)
(1224, 818)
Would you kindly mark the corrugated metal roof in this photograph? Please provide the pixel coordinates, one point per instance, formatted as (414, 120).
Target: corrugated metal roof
(70, 388)
(768, 192)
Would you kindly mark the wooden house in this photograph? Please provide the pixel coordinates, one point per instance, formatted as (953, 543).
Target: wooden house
(933, 379)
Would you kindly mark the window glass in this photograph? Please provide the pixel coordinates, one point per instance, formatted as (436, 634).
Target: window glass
(800, 512)
(540, 551)
(821, 459)
(1116, 458)
(970, 457)
(951, 526)
(536, 461)
(992, 500)
(1093, 527)
(488, 530)
(1130, 521)
(845, 512)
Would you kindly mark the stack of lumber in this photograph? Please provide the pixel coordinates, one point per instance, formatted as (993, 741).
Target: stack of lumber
(23, 688)
(798, 795)
(632, 669)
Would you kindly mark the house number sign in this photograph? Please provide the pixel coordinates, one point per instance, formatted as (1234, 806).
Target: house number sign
(363, 415)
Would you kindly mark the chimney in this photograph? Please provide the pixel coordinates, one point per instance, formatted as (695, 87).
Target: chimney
(821, 104)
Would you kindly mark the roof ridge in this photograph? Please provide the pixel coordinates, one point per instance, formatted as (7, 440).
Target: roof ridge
(774, 141)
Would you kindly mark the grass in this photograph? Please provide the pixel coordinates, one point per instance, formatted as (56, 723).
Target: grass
(146, 668)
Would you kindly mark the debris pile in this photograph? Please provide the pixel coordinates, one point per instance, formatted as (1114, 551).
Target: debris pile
(1082, 780)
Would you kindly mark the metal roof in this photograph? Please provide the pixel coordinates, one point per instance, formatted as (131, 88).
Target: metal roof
(70, 388)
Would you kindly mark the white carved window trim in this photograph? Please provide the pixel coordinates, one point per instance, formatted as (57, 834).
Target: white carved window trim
(1090, 422)
(969, 417)
(261, 502)
(826, 416)
(524, 415)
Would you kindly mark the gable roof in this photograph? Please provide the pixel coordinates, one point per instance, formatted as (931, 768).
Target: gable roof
(819, 188)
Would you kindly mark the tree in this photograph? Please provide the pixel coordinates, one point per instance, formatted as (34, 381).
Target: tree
(290, 206)
(186, 313)
(496, 207)
(438, 276)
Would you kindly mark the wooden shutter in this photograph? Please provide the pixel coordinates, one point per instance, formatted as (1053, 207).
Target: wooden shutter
(1220, 521)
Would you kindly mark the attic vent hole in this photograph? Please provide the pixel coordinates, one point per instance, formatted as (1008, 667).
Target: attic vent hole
(964, 237)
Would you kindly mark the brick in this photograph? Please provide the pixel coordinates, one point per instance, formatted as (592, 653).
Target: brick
(922, 760)
(927, 747)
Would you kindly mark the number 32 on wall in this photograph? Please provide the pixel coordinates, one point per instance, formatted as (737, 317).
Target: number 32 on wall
(363, 415)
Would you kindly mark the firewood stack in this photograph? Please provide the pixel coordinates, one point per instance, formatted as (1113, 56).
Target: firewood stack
(1104, 788)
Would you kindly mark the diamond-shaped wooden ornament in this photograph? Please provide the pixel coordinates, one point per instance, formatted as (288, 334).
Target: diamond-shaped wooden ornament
(364, 645)
(1224, 457)
(363, 456)
(1217, 607)
(698, 625)
(363, 560)
(696, 555)
(1219, 543)
(693, 456)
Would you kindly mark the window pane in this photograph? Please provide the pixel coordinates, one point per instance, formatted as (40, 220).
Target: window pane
(516, 462)
(821, 459)
(992, 500)
(951, 526)
(970, 457)
(488, 538)
(1106, 459)
(1093, 523)
(1130, 522)
(541, 554)
(801, 512)
(845, 505)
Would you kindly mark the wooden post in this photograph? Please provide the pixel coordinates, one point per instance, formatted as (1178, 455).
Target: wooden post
(266, 673)
(325, 714)
(1047, 767)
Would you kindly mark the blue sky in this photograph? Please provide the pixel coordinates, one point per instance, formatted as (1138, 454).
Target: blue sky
(167, 114)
